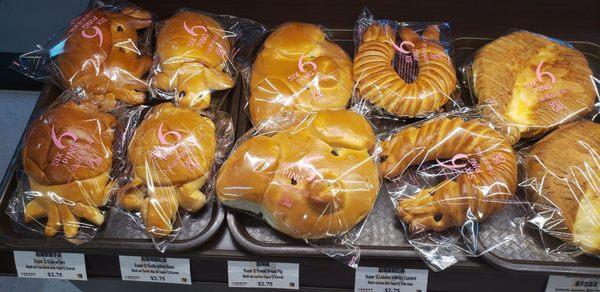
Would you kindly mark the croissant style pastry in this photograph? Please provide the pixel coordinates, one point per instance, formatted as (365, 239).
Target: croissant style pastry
(379, 83)
(67, 157)
(483, 161)
(298, 68)
(193, 50)
(533, 83)
(312, 180)
(563, 182)
(102, 55)
(172, 153)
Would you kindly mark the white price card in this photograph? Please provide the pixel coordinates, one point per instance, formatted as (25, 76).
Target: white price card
(572, 284)
(373, 279)
(50, 265)
(155, 269)
(263, 275)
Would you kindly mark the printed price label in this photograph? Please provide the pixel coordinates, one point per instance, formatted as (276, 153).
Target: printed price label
(50, 265)
(572, 284)
(374, 279)
(263, 275)
(155, 269)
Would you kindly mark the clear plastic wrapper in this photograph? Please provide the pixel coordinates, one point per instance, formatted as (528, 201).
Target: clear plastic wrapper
(310, 175)
(104, 51)
(561, 178)
(196, 53)
(64, 175)
(403, 69)
(534, 83)
(298, 68)
(172, 156)
(446, 176)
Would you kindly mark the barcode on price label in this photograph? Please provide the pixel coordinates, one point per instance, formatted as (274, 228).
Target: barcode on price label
(155, 269)
(50, 265)
(263, 275)
(572, 284)
(390, 279)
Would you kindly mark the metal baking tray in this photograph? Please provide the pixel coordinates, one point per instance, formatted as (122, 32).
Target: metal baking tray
(119, 231)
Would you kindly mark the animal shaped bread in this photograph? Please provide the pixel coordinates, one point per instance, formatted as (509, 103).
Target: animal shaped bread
(563, 179)
(298, 68)
(102, 56)
(67, 156)
(482, 163)
(379, 83)
(535, 83)
(172, 153)
(313, 179)
(192, 51)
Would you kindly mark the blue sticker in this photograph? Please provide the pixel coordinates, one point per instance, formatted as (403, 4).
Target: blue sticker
(57, 49)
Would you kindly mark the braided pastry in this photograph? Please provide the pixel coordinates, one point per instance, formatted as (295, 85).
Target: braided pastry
(485, 181)
(563, 171)
(533, 83)
(379, 83)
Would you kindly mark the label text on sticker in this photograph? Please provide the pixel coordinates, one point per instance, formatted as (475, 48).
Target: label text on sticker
(263, 275)
(50, 265)
(373, 279)
(155, 269)
(572, 284)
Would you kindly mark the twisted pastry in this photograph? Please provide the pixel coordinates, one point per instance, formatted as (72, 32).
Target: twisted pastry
(380, 84)
(533, 84)
(486, 180)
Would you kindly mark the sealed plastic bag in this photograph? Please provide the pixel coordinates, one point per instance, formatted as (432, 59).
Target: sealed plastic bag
(404, 69)
(534, 83)
(104, 51)
(298, 68)
(561, 177)
(173, 155)
(311, 175)
(64, 175)
(445, 176)
(195, 54)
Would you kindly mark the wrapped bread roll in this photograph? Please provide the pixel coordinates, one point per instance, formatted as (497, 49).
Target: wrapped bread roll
(563, 180)
(312, 178)
(298, 68)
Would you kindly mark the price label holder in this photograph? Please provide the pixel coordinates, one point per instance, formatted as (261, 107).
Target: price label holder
(373, 279)
(50, 265)
(572, 284)
(263, 275)
(155, 269)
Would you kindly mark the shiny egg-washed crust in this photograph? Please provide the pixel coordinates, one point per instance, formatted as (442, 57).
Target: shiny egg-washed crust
(379, 83)
(172, 153)
(564, 170)
(71, 174)
(192, 51)
(314, 180)
(113, 69)
(450, 202)
(504, 70)
(278, 84)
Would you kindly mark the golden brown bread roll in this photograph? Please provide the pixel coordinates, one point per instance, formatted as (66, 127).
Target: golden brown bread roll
(67, 157)
(313, 180)
(484, 160)
(172, 153)
(563, 171)
(298, 68)
(533, 83)
(193, 50)
(102, 55)
(379, 83)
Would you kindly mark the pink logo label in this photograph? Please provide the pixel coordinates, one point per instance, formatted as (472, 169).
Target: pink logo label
(191, 31)
(453, 161)
(162, 137)
(302, 64)
(97, 33)
(402, 45)
(65, 134)
(540, 74)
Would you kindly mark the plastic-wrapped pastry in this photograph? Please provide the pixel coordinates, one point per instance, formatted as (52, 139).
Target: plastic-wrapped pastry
(310, 174)
(535, 83)
(299, 68)
(563, 182)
